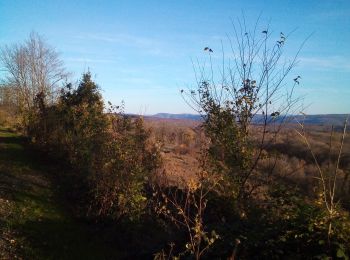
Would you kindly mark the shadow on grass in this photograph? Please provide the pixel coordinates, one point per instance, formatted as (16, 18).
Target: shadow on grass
(44, 229)
(15, 152)
(59, 239)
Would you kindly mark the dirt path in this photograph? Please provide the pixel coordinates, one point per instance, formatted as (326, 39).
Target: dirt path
(33, 221)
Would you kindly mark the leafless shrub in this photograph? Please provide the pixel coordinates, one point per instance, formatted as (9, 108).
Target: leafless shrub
(185, 208)
(328, 176)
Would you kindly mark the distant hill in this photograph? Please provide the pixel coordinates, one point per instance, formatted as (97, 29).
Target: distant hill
(178, 116)
(325, 119)
(330, 119)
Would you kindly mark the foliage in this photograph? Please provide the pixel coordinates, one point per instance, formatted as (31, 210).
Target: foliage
(124, 168)
(230, 151)
(185, 208)
(252, 88)
(248, 92)
(109, 151)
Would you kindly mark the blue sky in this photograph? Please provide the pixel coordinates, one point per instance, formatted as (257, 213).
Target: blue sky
(141, 51)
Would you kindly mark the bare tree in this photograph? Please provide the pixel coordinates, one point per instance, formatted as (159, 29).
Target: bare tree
(30, 68)
(246, 102)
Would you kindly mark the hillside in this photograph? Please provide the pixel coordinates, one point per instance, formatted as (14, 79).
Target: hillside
(321, 119)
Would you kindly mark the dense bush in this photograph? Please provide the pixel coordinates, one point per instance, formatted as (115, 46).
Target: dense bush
(108, 151)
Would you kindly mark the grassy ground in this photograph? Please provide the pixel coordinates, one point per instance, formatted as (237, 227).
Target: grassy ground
(33, 221)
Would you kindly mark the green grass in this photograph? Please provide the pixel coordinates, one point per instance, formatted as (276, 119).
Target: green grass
(34, 222)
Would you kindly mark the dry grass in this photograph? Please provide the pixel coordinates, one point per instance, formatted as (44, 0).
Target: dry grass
(287, 157)
(179, 142)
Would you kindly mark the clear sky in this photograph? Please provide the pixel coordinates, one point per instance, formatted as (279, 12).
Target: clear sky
(141, 51)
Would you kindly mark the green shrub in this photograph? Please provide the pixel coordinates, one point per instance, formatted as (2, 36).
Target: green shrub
(108, 151)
